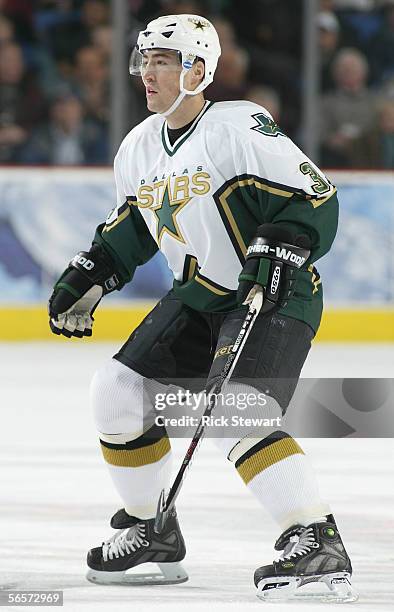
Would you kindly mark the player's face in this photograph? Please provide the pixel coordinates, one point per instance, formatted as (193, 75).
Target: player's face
(160, 72)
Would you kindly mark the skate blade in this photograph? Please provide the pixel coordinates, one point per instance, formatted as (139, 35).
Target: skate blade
(171, 573)
(338, 589)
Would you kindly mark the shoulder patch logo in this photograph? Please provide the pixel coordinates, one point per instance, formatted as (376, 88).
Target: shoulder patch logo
(266, 126)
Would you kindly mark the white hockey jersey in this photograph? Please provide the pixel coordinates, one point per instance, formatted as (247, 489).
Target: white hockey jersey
(202, 198)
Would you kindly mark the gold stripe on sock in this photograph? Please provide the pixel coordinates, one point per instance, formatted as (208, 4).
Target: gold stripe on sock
(137, 457)
(267, 456)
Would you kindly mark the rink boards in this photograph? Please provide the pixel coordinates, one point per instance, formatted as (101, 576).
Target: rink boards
(47, 215)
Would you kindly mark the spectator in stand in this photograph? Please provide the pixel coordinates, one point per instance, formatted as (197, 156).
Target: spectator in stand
(226, 32)
(95, 13)
(21, 102)
(102, 40)
(347, 111)
(231, 78)
(91, 82)
(68, 37)
(271, 33)
(381, 54)
(360, 21)
(266, 97)
(270, 26)
(328, 32)
(68, 138)
(265, 44)
(375, 148)
(7, 30)
(20, 12)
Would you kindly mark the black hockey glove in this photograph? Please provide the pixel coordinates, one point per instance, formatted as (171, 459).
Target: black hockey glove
(89, 276)
(272, 261)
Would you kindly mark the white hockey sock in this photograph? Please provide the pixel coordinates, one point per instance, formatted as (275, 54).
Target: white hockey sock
(136, 451)
(139, 469)
(274, 467)
(278, 473)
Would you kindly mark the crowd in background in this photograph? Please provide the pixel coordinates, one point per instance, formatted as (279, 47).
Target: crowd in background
(55, 63)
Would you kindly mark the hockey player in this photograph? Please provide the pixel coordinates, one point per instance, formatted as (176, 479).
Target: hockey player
(202, 182)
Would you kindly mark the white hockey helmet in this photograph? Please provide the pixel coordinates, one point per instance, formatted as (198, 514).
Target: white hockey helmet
(192, 36)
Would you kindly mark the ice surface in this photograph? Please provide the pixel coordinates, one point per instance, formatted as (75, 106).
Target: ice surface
(56, 497)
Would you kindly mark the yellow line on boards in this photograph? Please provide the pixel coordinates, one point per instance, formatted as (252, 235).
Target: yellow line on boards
(117, 323)
(347, 325)
(31, 323)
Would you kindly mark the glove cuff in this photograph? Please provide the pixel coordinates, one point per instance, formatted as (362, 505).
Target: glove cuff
(97, 266)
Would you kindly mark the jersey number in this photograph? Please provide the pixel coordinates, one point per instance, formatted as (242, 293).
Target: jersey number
(320, 184)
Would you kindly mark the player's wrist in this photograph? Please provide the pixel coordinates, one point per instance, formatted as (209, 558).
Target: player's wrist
(77, 293)
(98, 268)
(273, 259)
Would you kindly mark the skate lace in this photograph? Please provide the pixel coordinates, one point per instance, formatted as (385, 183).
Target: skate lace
(125, 542)
(300, 545)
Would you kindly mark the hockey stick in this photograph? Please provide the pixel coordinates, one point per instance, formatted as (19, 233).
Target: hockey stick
(165, 506)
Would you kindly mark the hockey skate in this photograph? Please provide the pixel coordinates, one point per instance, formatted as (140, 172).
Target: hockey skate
(136, 543)
(314, 565)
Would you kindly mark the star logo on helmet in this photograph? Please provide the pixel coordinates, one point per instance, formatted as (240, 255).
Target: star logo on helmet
(199, 25)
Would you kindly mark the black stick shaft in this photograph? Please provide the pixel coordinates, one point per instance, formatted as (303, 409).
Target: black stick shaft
(165, 506)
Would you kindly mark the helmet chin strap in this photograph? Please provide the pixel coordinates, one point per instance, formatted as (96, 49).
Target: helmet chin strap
(183, 92)
(174, 105)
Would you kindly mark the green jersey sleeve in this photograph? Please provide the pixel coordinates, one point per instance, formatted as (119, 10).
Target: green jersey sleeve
(317, 219)
(125, 235)
(288, 188)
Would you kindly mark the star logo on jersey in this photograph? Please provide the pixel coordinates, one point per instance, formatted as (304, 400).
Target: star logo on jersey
(166, 214)
(266, 126)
